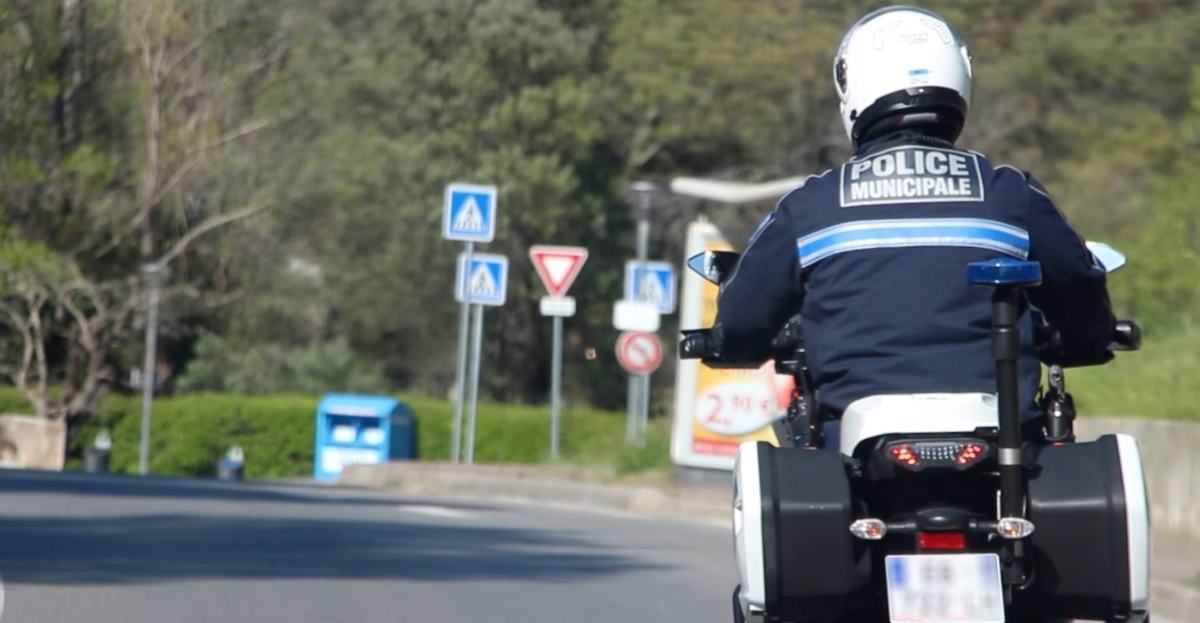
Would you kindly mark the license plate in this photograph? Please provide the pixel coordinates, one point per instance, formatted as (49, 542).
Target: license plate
(945, 588)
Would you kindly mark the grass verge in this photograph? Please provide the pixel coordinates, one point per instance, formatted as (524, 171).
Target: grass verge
(1160, 381)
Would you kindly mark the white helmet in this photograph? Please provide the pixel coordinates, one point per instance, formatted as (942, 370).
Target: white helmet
(907, 65)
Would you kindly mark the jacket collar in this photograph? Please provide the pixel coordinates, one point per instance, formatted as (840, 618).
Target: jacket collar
(898, 138)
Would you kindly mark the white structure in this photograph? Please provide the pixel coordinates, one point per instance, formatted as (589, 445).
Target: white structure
(735, 193)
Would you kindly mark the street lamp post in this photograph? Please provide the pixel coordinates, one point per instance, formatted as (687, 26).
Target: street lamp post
(155, 274)
(641, 199)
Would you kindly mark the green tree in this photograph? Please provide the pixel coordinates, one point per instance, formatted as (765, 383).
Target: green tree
(116, 114)
(385, 106)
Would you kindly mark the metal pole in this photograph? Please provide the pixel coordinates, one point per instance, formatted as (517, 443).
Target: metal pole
(460, 372)
(153, 271)
(631, 406)
(556, 386)
(643, 236)
(644, 420)
(641, 195)
(632, 403)
(476, 347)
(642, 393)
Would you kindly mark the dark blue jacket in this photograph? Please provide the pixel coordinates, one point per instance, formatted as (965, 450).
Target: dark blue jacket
(874, 257)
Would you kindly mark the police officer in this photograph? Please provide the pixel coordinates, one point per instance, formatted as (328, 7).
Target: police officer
(873, 254)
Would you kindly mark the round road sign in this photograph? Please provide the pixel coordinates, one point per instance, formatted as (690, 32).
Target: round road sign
(639, 353)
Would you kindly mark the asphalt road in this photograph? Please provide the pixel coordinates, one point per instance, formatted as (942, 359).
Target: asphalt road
(113, 549)
(101, 549)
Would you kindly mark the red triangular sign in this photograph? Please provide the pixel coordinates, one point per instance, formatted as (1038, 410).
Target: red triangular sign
(558, 266)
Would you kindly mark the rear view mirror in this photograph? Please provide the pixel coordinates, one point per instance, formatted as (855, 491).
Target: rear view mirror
(714, 266)
(1108, 257)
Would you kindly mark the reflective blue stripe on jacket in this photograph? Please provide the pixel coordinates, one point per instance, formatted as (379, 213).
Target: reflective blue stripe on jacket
(874, 256)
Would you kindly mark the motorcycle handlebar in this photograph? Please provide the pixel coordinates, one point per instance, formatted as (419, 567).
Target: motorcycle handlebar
(696, 344)
(1127, 336)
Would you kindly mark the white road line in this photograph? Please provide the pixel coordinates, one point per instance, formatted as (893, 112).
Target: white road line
(436, 511)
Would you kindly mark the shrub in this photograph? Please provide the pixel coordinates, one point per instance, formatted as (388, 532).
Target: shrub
(190, 433)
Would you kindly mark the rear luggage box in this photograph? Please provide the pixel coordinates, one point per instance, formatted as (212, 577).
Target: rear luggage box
(812, 568)
(1091, 544)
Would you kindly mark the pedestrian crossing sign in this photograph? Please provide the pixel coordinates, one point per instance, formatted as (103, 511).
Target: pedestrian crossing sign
(469, 213)
(651, 282)
(485, 283)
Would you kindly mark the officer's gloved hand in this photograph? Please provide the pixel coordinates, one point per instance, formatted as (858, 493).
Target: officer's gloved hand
(790, 337)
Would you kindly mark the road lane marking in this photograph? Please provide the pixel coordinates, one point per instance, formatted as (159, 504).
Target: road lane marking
(436, 511)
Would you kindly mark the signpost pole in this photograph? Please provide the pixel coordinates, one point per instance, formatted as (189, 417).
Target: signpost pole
(642, 196)
(631, 405)
(557, 267)
(460, 372)
(476, 348)
(469, 215)
(556, 387)
(484, 284)
(155, 272)
(644, 421)
(640, 353)
(636, 381)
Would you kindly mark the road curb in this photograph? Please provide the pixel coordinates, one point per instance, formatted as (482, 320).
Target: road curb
(532, 485)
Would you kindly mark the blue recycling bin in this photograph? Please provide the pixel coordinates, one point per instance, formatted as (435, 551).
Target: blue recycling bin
(356, 429)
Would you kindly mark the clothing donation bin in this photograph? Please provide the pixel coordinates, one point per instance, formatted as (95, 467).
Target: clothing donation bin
(356, 429)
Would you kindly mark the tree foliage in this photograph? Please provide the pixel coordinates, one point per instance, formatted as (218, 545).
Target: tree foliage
(287, 158)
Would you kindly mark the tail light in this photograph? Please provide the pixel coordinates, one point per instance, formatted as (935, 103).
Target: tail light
(917, 455)
(905, 455)
(941, 540)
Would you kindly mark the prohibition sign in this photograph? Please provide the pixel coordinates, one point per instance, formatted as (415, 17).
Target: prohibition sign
(638, 352)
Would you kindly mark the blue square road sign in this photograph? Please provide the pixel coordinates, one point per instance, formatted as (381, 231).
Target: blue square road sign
(469, 213)
(486, 282)
(651, 282)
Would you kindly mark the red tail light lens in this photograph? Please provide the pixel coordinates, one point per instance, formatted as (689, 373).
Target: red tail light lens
(971, 453)
(941, 540)
(954, 453)
(904, 454)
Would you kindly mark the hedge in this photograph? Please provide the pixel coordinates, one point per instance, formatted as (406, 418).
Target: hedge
(190, 433)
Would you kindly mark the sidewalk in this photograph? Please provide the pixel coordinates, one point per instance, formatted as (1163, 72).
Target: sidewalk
(1177, 560)
(1175, 570)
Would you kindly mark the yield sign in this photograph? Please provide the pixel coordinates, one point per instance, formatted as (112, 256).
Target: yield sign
(557, 266)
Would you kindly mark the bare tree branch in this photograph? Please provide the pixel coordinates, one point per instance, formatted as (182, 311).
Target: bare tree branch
(87, 338)
(21, 378)
(23, 306)
(225, 299)
(39, 348)
(641, 149)
(217, 221)
(185, 53)
(245, 130)
(206, 87)
(170, 184)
